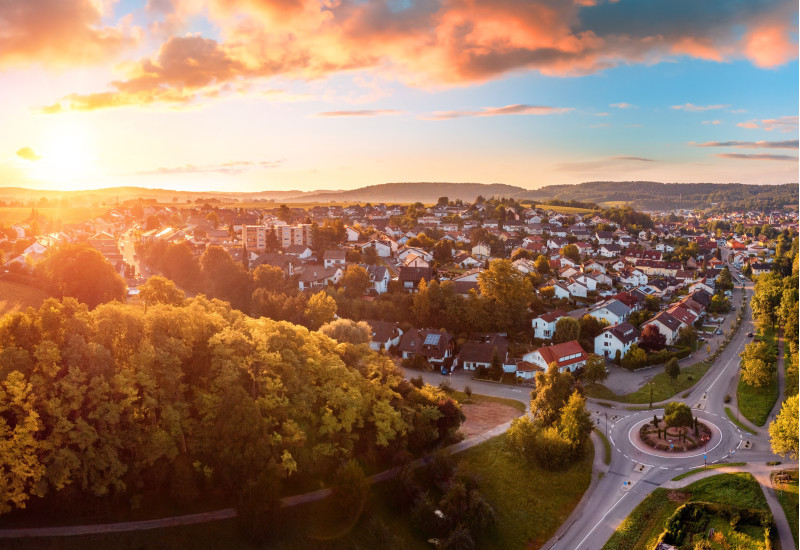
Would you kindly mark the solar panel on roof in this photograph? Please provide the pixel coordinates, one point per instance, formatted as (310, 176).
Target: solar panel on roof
(432, 339)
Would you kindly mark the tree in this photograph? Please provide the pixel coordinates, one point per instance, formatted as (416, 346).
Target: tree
(571, 251)
(213, 218)
(542, 264)
(767, 294)
(724, 280)
(783, 431)
(495, 366)
(756, 373)
(347, 330)
(576, 423)
(82, 272)
(549, 395)
(511, 291)
(160, 290)
(225, 278)
(567, 329)
(652, 303)
(651, 339)
(634, 358)
(321, 309)
(687, 337)
(355, 281)
(672, 368)
(595, 369)
(678, 414)
(270, 278)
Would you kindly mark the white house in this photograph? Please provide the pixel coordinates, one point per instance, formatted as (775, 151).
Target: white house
(610, 250)
(481, 251)
(666, 325)
(615, 338)
(561, 291)
(317, 276)
(427, 256)
(569, 356)
(352, 234)
(577, 289)
(379, 277)
(544, 326)
(384, 333)
(612, 312)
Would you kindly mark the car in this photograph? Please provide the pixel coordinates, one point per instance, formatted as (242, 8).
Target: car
(719, 331)
(749, 334)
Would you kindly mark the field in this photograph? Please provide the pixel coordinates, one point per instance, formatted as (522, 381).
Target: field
(787, 496)
(754, 403)
(663, 386)
(16, 297)
(520, 493)
(641, 529)
(9, 215)
(563, 209)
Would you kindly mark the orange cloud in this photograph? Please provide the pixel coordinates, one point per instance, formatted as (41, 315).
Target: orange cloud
(60, 33)
(760, 156)
(783, 124)
(497, 111)
(432, 43)
(770, 45)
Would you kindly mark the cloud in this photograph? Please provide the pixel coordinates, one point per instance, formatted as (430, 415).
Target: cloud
(760, 156)
(438, 42)
(516, 109)
(359, 113)
(28, 154)
(697, 108)
(637, 159)
(783, 124)
(788, 144)
(60, 33)
(623, 105)
(228, 168)
(715, 122)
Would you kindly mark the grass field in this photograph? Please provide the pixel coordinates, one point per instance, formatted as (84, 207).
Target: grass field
(461, 397)
(754, 403)
(732, 418)
(709, 467)
(9, 215)
(563, 209)
(663, 386)
(530, 503)
(606, 446)
(641, 529)
(787, 496)
(16, 297)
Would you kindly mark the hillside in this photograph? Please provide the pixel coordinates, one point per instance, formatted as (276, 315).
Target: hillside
(425, 192)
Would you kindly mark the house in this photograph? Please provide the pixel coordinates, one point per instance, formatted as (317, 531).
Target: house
(299, 251)
(385, 334)
(434, 345)
(318, 276)
(584, 249)
(760, 268)
(604, 237)
(352, 234)
(427, 256)
(379, 277)
(610, 250)
(383, 248)
(557, 243)
(333, 258)
(612, 312)
(481, 251)
(524, 265)
(568, 356)
(412, 260)
(466, 261)
(471, 275)
(587, 280)
(684, 314)
(577, 289)
(410, 277)
(286, 262)
(478, 350)
(561, 291)
(666, 325)
(616, 338)
(544, 326)
(527, 370)
(632, 277)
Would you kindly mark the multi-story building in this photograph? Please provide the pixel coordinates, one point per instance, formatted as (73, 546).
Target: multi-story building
(254, 237)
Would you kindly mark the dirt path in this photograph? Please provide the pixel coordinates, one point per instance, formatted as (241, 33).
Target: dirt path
(484, 416)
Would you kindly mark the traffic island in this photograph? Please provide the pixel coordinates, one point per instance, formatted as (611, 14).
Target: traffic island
(660, 436)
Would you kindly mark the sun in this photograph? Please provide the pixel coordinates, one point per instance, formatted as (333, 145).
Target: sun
(67, 157)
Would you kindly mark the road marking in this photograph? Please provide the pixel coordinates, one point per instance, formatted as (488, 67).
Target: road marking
(601, 521)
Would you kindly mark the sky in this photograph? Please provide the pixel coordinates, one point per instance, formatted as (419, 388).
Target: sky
(268, 95)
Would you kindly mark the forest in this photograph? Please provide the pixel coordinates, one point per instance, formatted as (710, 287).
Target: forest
(179, 400)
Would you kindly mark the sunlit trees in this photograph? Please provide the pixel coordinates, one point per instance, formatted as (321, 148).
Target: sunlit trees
(567, 329)
(82, 272)
(160, 290)
(783, 431)
(595, 369)
(510, 291)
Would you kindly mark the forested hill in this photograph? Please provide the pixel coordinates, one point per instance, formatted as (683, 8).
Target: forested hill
(651, 195)
(425, 192)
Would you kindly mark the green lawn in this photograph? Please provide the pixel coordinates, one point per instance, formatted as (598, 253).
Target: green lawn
(641, 529)
(606, 446)
(663, 386)
(461, 397)
(754, 403)
(732, 418)
(787, 495)
(709, 467)
(530, 503)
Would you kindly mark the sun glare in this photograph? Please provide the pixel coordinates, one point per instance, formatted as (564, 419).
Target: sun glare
(67, 158)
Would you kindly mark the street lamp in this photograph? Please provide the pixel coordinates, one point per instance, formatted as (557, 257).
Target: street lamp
(704, 438)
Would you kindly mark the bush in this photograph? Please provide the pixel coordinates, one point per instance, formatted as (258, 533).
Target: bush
(727, 399)
(468, 391)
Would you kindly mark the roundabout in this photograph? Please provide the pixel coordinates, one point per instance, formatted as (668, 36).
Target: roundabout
(723, 442)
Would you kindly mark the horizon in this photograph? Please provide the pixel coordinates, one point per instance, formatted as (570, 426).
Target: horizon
(257, 96)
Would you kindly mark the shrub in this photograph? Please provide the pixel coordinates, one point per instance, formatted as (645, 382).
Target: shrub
(727, 399)
(468, 391)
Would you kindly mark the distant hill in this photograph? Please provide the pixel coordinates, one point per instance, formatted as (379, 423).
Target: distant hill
(425, 192)
(651, 195)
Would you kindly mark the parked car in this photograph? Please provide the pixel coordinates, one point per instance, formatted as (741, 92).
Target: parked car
(749, 334)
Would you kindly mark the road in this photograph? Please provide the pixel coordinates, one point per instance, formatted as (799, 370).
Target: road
(636, 470)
